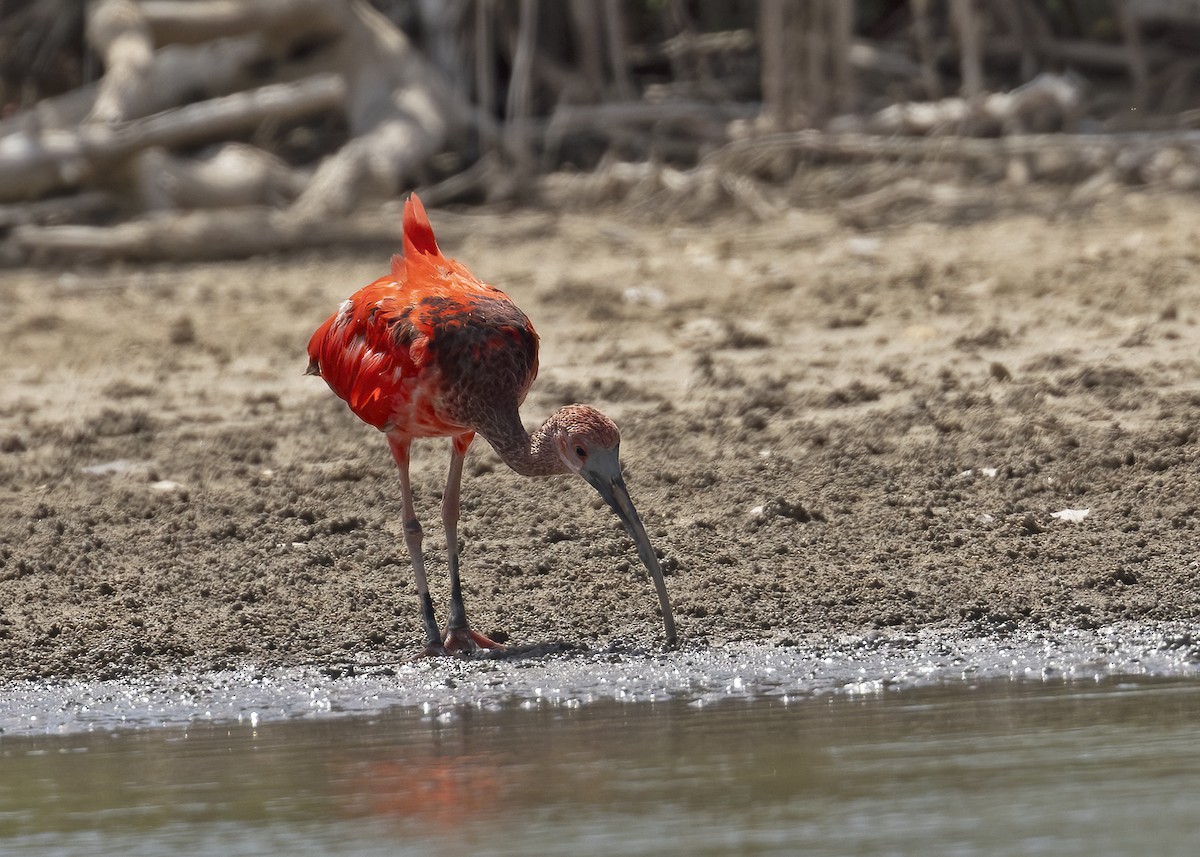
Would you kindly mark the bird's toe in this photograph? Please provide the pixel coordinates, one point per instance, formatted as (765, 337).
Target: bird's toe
(465, 640)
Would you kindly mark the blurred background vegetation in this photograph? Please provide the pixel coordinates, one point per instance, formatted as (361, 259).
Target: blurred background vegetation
(294, 115)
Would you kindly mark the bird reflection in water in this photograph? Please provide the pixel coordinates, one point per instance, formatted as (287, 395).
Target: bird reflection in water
(444, 792)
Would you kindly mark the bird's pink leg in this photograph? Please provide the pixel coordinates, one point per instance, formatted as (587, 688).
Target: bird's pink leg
(459, 636)
(412, 537)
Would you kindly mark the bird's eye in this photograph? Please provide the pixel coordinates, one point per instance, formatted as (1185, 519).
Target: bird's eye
(581, 452)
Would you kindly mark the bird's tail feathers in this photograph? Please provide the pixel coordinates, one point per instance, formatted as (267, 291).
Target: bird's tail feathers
(418, 234)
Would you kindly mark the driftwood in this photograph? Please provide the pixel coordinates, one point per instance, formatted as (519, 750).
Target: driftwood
(235, 233)
(232, 176)
(177, 73)
(57, 209)
(400, 111)
(251, 36)
(32, 165)
(119, 33)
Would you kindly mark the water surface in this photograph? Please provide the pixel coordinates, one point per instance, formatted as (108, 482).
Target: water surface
(1107, 767)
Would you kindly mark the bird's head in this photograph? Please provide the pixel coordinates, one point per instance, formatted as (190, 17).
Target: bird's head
(589, 444)
(584, 438)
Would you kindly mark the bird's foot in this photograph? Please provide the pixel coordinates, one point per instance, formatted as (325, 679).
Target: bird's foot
(432, 650)
(458, 641)
(465, 640)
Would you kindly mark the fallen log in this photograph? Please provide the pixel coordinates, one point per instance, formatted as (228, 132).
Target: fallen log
(32, 165)
(58, 208)
(177, 74)
(375, 162)
(235, 175)
(198, 235)
(236, 56)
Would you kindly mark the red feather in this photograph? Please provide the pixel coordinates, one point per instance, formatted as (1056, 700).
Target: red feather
(418, 233)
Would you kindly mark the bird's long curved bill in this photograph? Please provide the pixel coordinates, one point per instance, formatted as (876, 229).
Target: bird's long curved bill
(616, 495)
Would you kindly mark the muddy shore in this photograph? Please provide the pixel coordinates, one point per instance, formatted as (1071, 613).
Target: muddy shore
(828, 432)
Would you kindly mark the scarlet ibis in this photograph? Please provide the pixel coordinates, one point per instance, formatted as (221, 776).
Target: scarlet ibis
(430, 351)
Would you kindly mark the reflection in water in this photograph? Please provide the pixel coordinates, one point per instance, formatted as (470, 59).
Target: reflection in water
(1004, 768)
(447, 794)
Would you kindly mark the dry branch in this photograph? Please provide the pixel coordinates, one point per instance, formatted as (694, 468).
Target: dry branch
(222, 49)
(864, 56)
(376, 162)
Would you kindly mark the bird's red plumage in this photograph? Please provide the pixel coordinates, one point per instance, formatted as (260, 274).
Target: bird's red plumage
(411, 352)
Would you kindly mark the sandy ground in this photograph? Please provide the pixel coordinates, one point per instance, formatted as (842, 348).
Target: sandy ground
(826, 432)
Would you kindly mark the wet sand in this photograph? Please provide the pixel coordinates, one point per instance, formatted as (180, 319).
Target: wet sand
(828, 433)
(447, 690)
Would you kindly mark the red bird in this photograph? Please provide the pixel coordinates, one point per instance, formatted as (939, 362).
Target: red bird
(430, 351)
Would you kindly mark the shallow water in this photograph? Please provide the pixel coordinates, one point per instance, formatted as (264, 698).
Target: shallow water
(554, 676)
(1096, 767)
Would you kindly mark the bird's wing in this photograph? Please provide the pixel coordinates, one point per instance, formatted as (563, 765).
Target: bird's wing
(370, 352)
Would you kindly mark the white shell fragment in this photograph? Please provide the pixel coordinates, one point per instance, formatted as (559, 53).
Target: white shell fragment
(1071, 516)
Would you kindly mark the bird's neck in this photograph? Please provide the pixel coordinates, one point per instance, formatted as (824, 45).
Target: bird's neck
(528, 454)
